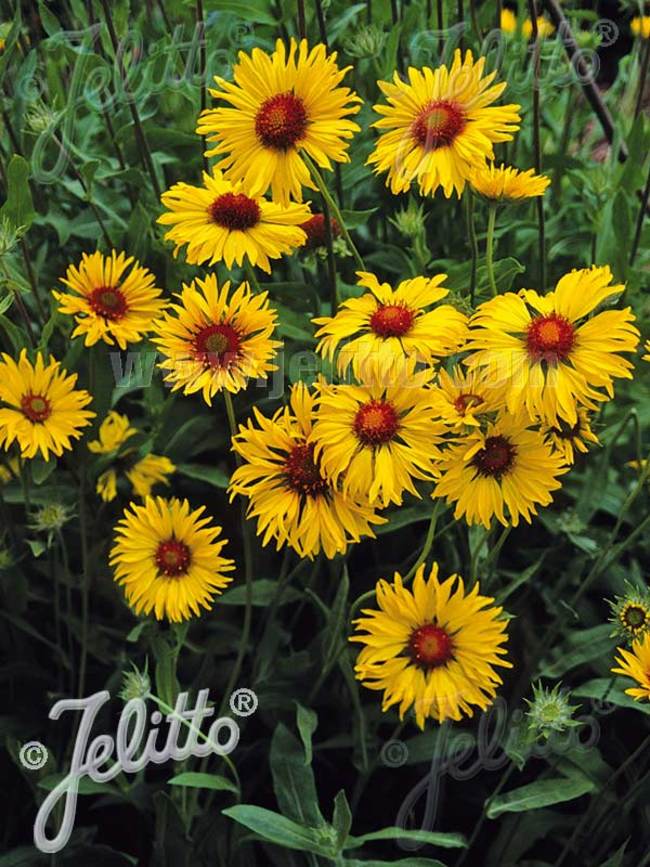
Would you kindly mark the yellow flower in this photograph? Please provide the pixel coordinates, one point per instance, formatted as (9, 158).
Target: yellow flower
(107, 304)
(439, 125)
(636, 664)
(646, 357)
(505, 473)
(106, 486)
(149, 471)
(386, 323)
(374, 439)
(10, 470)
(289, 495)
(168, 559)
(281, 105)
(113, 432)
(221, 222)
(42, 409)
(567, 439)
(433, 648)
(507, 184)
(551, 358)
(460, 397)
(214, 340)
(509, 25)
(640, 26)
(508, 21)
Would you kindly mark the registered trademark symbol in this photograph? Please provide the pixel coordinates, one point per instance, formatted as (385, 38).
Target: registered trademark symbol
(243, 702)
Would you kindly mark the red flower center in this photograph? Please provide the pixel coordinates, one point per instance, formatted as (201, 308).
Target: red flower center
(495, 458)
(430, 646)
(108, 301)
(173, 558)
(464, 402)
(235, 211)
(438, 124)
(302, 472)
(36, 407)
(281, 121)
(376, 422)
(314, 227)
(217, 345)
(392, 320)
(550, 338)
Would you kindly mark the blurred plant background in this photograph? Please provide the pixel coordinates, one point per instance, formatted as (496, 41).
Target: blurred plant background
(99, 104)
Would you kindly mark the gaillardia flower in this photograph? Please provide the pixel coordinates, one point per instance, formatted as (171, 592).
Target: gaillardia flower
(551, 358)
(40, 407)
(506, 183)
(567, 439)
(631, 613)
(376, 438)
(509, 25)
(214, 339)
(107, 303)
(221, 222)
(433, 648)
(168, 559)
(386, 323)
(437, 126)
(461, 396)
(635, 663)
(293, 501)
(505, 473)
(280, 106)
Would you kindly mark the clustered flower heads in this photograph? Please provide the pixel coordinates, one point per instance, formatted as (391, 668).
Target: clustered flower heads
(483, 407)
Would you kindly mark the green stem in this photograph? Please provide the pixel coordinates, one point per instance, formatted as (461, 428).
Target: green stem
(250, 274)
(473, 241)
(489, 249)
(325, 193)
(331, 262)
(428, 542)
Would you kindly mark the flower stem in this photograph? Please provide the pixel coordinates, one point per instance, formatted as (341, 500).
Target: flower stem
(473, 242)
(327, 196)
(641, 217)
(428, 542)
(252, 279)
(489, 249)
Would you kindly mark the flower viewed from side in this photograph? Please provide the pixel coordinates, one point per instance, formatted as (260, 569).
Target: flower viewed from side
(143, 473)
(214, 339)
(40, 407)
(281, 106)
(439, 124)
(293, 501)
(631, 613)
(221, 222)
(135, 683)
(567, 439)
(168, 559)
(460, 398)
(433, 648)
(552, 358)
(385, 324)
(315, 229)
(376, 438)
(108, 303)
(635, 663)
(640, 26)
(506, 183)
(504, 473)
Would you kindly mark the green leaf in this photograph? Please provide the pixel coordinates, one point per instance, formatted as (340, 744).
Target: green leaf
(403, 862)
(541, 793)
(49, 21)
(276, 828)
(342, 818)
(617, 858)
(306, 720)
(17, 338)
(250, 11)
(211, 475)
(293, 780)
(196, 780)
(600, 689)
(18, 208)
(86, 785)
(434, 838)
(581, 646)
(264, 590)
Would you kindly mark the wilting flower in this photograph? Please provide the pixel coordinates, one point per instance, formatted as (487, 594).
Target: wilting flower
(635, 663)
(215, 339)
(293, 501)
(550, 710)
(567, 439)
(281, 106)
(377, 438)
(437, 126)
(316, 231)
(107, 303)
(168, 559)
(386, 323)
(42, 410)
(220, 221)
(504, 473)
(506, 183)
(631, 613)
(550, 356)
(433, 648)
